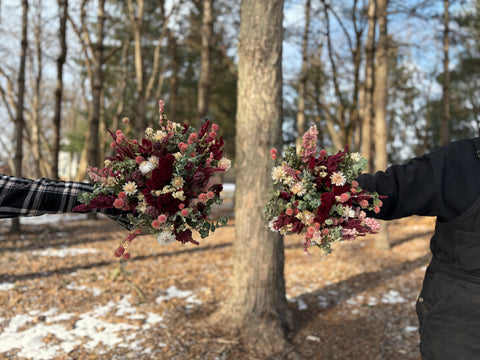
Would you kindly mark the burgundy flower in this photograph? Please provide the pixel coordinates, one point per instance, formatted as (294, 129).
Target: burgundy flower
(204, 129)
(185, 236)
(327, 200)
(162, 174)
(217, 148)
(100, 202)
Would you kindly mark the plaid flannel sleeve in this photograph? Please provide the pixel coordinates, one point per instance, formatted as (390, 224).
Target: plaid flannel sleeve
(25, 197)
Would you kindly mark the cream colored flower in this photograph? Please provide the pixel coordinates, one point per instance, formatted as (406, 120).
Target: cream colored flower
(153, 160)
(306, 217)
(111, 182)
(130, 188)
(159, 135)
(178, 155)
(108, 163)
(177, 182)
(146, 167)
(148, 132)
(338, 178)
(142, 206)
(166, 238)
(179, 195)
(224, 163)
(278, 173)
(356, 156)
(297, 188)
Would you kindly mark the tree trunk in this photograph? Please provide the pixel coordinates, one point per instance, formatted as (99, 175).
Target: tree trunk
(136, 18)
(19, 120)
(444, 126)
(369, 83)
(97, 86)
(175, 68)
(205, 55)
(380, 106)
(35, 122)
(57, 116)
(257, 305)
(302, 84)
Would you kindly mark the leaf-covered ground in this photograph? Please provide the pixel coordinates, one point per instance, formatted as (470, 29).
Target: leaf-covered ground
(65, 296)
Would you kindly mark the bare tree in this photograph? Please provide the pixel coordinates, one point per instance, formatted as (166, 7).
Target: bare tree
(205, 58)
(380, 105)
(95, 60)
(342, 114)
(367, 106)
(257, 305)
(19, 119)
(302, 83)
(57, 116)
(444, 125)
(136, 19)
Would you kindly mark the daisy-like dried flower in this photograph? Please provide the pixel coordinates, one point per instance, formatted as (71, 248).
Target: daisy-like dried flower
(130, 188)
(278, 173)
(166, 238)
(338, 178)
(146, 167)
(297, 188)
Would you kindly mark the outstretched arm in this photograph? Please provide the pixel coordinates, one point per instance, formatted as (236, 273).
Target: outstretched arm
(26, 197)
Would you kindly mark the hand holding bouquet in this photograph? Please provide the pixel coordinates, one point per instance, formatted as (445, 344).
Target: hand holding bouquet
(164, 180)
(319, 193)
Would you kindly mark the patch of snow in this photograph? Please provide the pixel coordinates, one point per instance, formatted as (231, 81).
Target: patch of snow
(372, 301)
(392, 297)
(322, 302)
(5, 286)
(174, 292)
(95, 291)
(313, 338)
(302, 305)
(89, 330)
(62, 253)
(51, 219)
(411, 328)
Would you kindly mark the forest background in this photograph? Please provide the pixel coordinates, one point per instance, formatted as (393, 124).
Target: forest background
(393, 79)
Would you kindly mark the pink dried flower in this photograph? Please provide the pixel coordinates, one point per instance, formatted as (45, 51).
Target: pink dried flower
(202, 197)
(162, 218)
(122, 195)
(273, 153)
(214, 127)
(289, 211)
(210, 195)
(184, 212)
(192, 138)
(372, 224)
(118, 203)
(155, 224)
(309, 143)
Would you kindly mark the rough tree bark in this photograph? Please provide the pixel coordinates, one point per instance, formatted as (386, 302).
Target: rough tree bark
(205, 58)
(19, 120)
(302, 84)
(380, 106)
(136, 18)
(444, 126)
(57, 116)
(257, 305)
(368, 88)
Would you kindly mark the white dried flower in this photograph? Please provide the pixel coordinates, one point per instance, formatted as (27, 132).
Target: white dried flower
(146, 167)
(165, 238)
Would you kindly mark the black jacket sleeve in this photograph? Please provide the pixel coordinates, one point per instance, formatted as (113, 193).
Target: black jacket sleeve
(443, 183)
